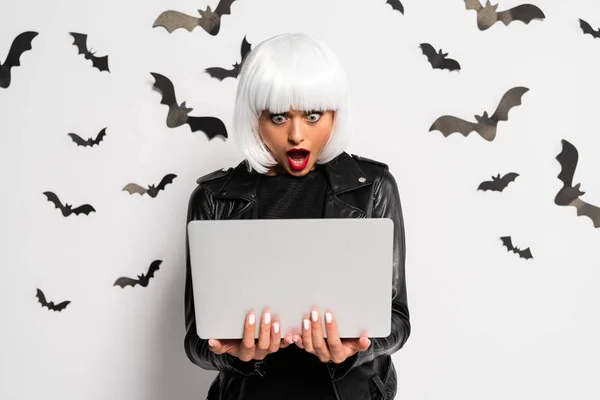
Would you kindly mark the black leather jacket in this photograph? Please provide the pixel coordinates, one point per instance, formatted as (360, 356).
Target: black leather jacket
(358, 188)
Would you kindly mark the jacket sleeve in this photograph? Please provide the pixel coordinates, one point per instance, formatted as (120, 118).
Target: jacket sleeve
(387, 205)
(200, 207)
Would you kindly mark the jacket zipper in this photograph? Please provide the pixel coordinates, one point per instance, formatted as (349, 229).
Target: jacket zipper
(335, 390)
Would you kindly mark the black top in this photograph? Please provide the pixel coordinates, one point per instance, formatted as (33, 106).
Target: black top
(291, 373)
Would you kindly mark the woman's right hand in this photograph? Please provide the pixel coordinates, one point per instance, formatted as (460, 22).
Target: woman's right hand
(248, 348)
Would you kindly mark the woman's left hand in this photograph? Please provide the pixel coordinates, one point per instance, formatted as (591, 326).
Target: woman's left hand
(333, 348)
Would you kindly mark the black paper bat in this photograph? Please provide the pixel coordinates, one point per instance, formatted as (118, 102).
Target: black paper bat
(66, 209)
(507, 242)
(152, 190)
(178, 115)
(396, 5)
(142, 279)
(50, 305)
(587, 28)
(210, 21)
(488, 16)
(568, 195)
(498, 184)
(438, 59)
(89, 142)
(485, 125)
(81, 42)
(222, 73)
(20, 44)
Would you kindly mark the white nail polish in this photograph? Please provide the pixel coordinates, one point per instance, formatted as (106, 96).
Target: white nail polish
(276, 327)
(328, 317)
(251, 319)
(210, 344)
(306, 324)
(267, 318)
(314, 316)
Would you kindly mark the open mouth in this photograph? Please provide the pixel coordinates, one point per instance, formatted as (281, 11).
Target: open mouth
(298, 158)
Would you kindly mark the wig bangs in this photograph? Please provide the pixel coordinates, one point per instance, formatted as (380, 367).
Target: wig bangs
(297, 82)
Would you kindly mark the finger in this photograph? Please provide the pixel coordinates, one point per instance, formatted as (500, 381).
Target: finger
(286, 342)
(264, 337)
(318, 341)
(307, 335)
(247, 346)
(216, 346)
(334, 343)
(352, 346)
(275, 342)
(223, 346)
(298, 341)
(363, 343)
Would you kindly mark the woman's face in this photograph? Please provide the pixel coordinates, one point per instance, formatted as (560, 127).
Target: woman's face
(295, 138)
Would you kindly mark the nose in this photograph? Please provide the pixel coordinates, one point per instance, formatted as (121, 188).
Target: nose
(296, 134)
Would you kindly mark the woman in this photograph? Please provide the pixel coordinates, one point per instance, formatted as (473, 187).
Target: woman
(292, 122)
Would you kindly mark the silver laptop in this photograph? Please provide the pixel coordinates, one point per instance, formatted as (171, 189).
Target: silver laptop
(290, 265)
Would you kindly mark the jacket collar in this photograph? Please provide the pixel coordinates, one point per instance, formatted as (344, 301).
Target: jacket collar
(343, 174)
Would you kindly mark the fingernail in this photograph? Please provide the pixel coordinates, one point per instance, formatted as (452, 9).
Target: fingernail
(267, 318)
(306, 324)
(211, 344)
(276, 327)
(328, 317)
(251, 319)
(369, 341)
(314, 315)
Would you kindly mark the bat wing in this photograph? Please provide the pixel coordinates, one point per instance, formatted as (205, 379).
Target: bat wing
(507, 242)
(524, 12)
(166, 87)
(473, 5)
(221, 73)
(20, 44)
(396, 5)
(153, 268)
(79, 140)
(526, 254)
(54, 199)
(99, 137)
(448, 124)
(60, 306)
(172, 20)
(428, 51)
(100, 62)
(165, 181)
(506, 179)
(450, 64)
(510, 99)
(567, 158)
(587, 210)
(211, 126)
(245, 48)
(224, 7)
(41, 298)
(587, 28)
(135, 188)
(80, 41)
(487, 185)
(124, 281)
(83, 209)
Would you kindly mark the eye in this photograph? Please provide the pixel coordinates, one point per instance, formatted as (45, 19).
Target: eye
(314, 116)
(277, 118)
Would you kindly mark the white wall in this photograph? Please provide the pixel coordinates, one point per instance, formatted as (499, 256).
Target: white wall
(486, 323)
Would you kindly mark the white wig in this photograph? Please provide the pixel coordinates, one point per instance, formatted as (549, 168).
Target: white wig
(292, 70)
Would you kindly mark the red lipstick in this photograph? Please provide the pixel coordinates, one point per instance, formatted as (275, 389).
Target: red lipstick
(298, 158)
